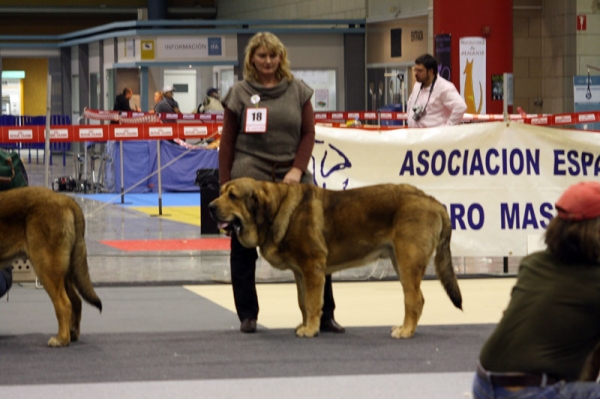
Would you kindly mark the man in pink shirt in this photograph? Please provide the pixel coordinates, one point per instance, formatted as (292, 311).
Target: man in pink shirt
(434, 101)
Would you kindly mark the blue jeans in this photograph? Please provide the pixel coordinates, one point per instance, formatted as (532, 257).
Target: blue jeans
(482, 389)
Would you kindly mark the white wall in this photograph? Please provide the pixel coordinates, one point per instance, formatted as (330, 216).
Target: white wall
(382, 10)
(318, 52)
(291, 9)
(587, 41)
(187, 101)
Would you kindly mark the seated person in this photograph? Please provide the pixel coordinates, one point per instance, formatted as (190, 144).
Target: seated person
(552, 322)
(158, 97)
(167, 105)
(212, 102)
(122, 101)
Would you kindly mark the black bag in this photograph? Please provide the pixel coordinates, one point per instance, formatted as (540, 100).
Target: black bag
(12, 171)
(5, 280)
(207, 179)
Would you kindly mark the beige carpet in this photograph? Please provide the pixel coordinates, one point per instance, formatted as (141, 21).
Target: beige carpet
(379, 303)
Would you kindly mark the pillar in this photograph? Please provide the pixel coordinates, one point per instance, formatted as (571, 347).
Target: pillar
(157, 9)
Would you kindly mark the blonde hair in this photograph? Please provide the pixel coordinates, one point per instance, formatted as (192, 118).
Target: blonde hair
(274, 45)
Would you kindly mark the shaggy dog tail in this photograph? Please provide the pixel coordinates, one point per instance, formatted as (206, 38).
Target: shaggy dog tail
(78, 269)
(443, 261)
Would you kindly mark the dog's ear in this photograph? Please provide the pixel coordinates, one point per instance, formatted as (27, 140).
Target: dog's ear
(257, 206)
(288, 199)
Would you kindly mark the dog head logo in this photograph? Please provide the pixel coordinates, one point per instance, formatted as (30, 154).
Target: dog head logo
(326, 161)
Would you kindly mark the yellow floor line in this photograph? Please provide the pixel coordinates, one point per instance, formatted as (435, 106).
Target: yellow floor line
(379, 303)
(183, 214)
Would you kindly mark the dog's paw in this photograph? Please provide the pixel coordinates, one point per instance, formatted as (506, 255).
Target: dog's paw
(74, 336)
(54, 342)
(399, 332)
(305, 332)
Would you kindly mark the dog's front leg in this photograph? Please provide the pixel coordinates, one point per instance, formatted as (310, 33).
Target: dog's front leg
(314, 283)
(301, 295)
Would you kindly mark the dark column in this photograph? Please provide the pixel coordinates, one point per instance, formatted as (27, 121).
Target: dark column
(101, 76)
(354, 71)
(55, 72)
(242, 42)
(157, 9)
(65, 78)
(0, 84)
(84, 77)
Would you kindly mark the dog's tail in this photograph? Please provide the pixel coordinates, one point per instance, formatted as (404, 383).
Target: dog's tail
(443, 261)
(78, 269)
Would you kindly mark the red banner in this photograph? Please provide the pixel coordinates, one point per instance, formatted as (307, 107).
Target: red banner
(58, 133)
(125, 132)
(196, 128)
(535, 119)
(90, 133)
(20, 134)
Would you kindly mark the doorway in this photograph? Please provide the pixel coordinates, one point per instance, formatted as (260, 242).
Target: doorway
(184, 84)
(387, 88)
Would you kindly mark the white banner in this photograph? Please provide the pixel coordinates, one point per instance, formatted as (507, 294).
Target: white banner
(473, 73)
(498, 182)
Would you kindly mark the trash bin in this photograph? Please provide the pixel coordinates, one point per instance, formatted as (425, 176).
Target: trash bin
(392, 108)
(208, 181)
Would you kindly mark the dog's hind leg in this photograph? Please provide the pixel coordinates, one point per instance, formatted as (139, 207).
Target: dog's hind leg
(51, 272)
(410, 269)
(314, 285)
(54, 283)
(75, 308)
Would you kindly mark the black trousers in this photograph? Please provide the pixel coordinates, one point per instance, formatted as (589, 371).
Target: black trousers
(243, 269)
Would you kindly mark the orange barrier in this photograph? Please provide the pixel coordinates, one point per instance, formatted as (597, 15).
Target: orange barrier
(79, 133)
(147, 117)
(147, 126)
(130, 126)
(534, 119)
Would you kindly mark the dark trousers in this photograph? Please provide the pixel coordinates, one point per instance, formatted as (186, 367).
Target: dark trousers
(243, 268)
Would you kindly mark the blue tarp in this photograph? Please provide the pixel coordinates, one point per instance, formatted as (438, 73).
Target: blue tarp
(140, 161)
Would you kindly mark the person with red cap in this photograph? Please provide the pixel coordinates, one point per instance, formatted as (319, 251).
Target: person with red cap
(544, 344)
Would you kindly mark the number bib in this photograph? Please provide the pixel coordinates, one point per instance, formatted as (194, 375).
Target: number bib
(256, 120)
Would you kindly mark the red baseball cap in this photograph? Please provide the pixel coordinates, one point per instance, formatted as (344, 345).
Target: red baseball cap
(581, 201)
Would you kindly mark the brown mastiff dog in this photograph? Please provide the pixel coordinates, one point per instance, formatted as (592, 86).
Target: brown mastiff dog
(48, 228)
(314, 232)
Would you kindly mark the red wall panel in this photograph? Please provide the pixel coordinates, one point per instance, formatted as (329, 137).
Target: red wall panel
(470, 18)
